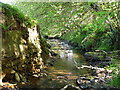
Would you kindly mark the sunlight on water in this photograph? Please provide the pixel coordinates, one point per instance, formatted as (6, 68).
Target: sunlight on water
(68, 54)
(63, 68)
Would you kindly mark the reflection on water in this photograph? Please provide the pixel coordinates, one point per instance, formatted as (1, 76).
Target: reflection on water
(62, 54)
(65, 65)
(68, 54)
(63, 71)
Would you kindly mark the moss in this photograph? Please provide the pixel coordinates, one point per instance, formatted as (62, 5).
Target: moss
(117, 52)
(23, 47)
(101, 57)
(45, 49)
(12, 13)
(115, 82)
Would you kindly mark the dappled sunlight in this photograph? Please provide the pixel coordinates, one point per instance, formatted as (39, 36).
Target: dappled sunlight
(34, 37)
(61, 45)
(61, 72)
(77, 56)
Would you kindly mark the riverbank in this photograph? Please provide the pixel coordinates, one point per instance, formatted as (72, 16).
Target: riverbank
(68, 69)
(103, 61)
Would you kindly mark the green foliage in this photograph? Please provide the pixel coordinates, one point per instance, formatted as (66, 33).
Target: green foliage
(91, 25)
(5, 27)
(115, 81)
(9, 11)
(13, 13)
(115, 67)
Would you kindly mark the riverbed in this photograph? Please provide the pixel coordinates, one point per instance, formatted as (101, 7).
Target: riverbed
(63, 73)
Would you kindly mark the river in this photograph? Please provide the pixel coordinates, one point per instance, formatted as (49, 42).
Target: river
(63, 71)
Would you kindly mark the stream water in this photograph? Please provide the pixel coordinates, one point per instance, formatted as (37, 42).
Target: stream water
(63, 71)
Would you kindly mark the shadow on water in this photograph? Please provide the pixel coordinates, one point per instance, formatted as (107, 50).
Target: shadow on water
(63, 71)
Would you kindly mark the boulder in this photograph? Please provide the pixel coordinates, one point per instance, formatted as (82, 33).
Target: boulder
(98, 55)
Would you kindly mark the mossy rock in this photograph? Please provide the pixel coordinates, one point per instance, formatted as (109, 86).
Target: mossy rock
(97, 56)
(117, 52)
(23, 48)
(15, 18)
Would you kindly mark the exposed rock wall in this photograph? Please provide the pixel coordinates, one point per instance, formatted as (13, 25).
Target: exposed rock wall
(22, 53)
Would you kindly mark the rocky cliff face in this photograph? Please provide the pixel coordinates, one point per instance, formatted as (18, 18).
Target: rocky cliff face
(22, 46)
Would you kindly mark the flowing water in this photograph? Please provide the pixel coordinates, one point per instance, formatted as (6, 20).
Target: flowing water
(63, 71)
